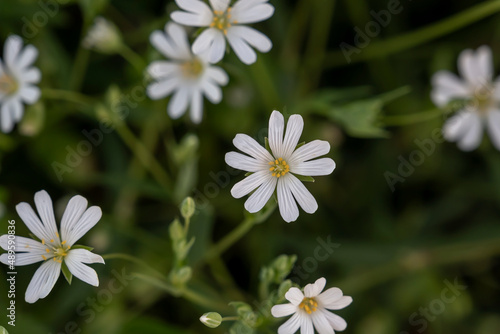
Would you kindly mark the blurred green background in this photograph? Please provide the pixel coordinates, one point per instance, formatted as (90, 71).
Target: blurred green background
(394, 250)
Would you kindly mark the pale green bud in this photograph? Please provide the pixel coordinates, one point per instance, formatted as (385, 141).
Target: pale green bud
(179, 277)
(211, 319)
(187, 208)
(176, 231)
(3, 330)
(103, 37)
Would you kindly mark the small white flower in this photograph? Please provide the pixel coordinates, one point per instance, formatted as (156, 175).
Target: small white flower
(480, 93)
(191, 77)
(54, 248)
(17, 81)
(225, 22)
(276, 170)
(103, 36)
(311, 309)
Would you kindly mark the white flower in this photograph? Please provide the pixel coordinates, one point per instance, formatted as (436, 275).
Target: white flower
(226, 22)
(311, 309)
(478, 91)
(17, 81)
(189, 76)
(276, 170)
(54, 248)
(103, 36)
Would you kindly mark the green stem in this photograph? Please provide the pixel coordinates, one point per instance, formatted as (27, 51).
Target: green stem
(230, 319)
(400, 120)
(144, 156)
(415, 38)
(133, 58)
(66, 95)
(132, 259)
(79, 67)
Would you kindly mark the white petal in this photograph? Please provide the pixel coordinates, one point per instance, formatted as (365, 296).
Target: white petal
(484, 59)
(212, 92)
(12, 48)
(251, 11)
(194, 6)
(249, 184)
(204, 41)
(30, 94)
(473, 135)
(288, 208)
(16, 109)
(32, 221)
(309, 151)
(283, 310)
(45, 209)
(217, 74)
(84, 224)
(261, 196)
(32, 75)
(466, 128)
(244, 52)
(24, 259)
(75, 262)
(341, 303)
(321, 323)
(179, 102)
(22, 244)
(446, 87)
(312, 290)
(179, 39)
(27, 56)
(196, 111)
(276, 129)
(293, 132)
(336, 322)
(317, 167)
(7, 120)
(162, 88)
(163, 69)
(306, 326)
(73, 213)
(291, 325)
(219, 5)
(301, 194)
(294, 296)
(494, 127)
(217, 49)
(330, 296)
(252, 37)
(244, 162)
(473, 67)
(43, 281)
(192, 19)
(250, 146)
(173, 43)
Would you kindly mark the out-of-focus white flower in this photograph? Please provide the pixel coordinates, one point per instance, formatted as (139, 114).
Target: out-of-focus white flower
(54, 248)
(17, 81)
(103, 36)
(275, 170)
(187, 76)
(480, 94)
(225, 22)
(310, 309)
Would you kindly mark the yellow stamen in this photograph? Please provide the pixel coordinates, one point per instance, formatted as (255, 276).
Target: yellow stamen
(57, 234)
(62, 243)
(192, 68)
(44, 258)
(43, 241)
(47, 250)
(8, 85)
(51, 240)
(309, 305)
(279, 167)
(222, 20)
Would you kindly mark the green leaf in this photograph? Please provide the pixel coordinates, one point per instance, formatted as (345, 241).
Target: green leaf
(67, 274)
(90, 249)
(304, 178)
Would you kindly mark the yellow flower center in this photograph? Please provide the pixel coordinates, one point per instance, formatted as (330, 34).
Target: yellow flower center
(483, 98)
(192, 68)
(8, 85)
(279, 167)
(309, 305)
(222, 20)
(59, 252)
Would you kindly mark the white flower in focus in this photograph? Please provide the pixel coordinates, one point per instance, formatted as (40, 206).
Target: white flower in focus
(103, 36)
(276, 170)
(17, 81)
(54, 248)
(187, 76)
(480, 94)
(311, 309)
(224, 22)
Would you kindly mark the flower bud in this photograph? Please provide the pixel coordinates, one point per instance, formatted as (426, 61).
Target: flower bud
(176, 231)
(179, 277)
(187, 208)
(211, 319)
(103, 37)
